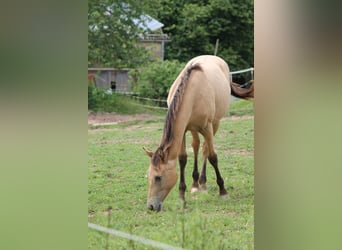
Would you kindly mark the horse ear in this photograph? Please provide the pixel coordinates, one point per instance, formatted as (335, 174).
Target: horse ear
(164, 155)
(148, 152)
(161, 154)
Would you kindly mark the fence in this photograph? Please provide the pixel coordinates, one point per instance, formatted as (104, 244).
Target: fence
(127, 236)
(161, 104)
(242, 71)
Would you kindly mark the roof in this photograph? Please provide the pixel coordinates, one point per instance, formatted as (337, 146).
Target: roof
(148, 23)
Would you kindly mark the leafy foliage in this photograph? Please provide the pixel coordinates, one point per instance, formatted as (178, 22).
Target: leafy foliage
(92, 100)
(155, 79)
(101, 100)
(113, 33)
(194, 26)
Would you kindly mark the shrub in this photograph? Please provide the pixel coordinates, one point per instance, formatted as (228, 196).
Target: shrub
(154, 80)
(92, 100)
(102, 100)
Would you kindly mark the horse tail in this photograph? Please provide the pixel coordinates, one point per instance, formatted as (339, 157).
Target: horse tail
(244, 91)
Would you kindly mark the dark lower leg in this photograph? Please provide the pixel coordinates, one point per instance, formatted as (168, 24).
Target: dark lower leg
(203, 177)
(219, 180)
(195, 175)
(182, 186)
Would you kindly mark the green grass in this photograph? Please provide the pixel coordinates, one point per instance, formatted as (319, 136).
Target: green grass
(241, 107)
(117, 180)
(127, 105)
(122, 104)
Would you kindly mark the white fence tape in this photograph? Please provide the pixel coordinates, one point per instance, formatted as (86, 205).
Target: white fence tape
(132, 237)
(133, 95)
(149, 99)
(149, 106)
(242, 71)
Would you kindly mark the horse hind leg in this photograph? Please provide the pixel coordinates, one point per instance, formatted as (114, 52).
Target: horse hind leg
(195, 175)
(212, 156)
(182, 159)
(219, 180)
(203, 176)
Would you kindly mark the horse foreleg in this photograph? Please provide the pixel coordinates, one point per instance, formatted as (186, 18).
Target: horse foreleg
(195, 175)
(182, 159)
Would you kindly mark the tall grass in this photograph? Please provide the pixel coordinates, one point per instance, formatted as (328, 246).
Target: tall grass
(100, 100)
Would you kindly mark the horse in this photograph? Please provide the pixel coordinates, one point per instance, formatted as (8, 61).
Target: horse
(197, 100)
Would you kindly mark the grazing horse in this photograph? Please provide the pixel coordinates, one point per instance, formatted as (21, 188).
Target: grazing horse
(197, 100)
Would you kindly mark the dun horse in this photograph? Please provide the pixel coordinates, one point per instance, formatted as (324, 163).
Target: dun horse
(198, 99)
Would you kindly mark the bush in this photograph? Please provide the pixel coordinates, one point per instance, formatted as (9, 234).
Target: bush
(92, 99)
(155, 80)
(102, 100)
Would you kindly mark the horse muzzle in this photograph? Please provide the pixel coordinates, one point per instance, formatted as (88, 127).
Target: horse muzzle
(155, 207)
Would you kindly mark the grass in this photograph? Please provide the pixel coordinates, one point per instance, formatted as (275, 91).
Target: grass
(117, 189)
(126, 105)
(241, 107)
(100, 101)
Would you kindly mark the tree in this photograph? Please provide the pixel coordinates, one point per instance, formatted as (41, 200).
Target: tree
(113, 32)
(194, 26)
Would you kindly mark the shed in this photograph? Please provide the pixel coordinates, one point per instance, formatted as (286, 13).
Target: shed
(110, 78)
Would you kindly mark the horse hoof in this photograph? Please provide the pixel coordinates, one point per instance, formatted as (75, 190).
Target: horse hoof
(203, 188)
(194, 190)
(224, 196)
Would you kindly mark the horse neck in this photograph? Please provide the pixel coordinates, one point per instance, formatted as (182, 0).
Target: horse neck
(178, 131)
(177, 116)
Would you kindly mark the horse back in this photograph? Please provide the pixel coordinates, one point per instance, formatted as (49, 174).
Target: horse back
(207, 95)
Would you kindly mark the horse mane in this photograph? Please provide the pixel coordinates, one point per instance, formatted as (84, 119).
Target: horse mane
(168, 135)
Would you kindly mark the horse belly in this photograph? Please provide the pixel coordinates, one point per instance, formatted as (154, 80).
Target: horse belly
(202, 113)
(221, 91)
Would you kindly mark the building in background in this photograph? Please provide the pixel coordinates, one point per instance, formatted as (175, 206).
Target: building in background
(154, 39)
(109, 78)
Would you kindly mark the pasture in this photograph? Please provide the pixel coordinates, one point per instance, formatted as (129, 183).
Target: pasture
(117, 188)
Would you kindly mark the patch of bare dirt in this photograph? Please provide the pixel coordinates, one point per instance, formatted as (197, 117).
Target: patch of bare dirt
(241, 117)
(103, 118)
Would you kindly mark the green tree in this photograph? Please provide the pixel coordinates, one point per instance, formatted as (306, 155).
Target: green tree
(156, 78)
(194, 26)
(113, 32)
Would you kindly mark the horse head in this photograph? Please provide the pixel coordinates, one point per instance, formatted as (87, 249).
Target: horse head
(162, 176)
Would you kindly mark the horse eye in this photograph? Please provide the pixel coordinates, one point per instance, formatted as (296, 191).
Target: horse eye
(158, 178)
